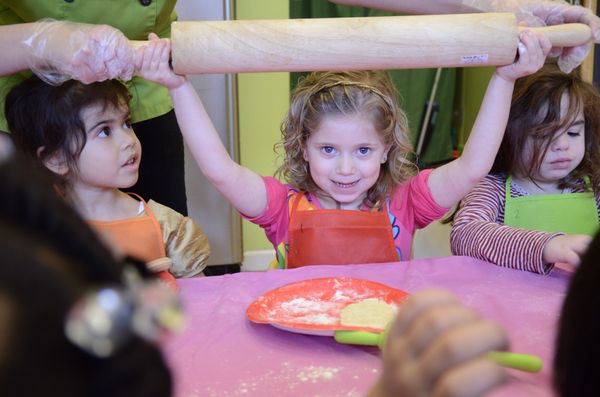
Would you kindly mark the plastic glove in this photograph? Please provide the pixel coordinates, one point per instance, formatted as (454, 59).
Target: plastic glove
(547, 12)
(61, 50)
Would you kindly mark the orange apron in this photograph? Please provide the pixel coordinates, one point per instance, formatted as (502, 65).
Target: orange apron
(338, 237)
(139, 237)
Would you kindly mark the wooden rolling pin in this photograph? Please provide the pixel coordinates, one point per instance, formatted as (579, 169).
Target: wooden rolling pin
(397, 42)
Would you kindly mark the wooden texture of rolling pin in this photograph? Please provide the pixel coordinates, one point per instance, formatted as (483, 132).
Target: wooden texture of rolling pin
(397, 42)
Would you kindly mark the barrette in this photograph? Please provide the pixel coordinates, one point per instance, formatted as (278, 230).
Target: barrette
(104, 319)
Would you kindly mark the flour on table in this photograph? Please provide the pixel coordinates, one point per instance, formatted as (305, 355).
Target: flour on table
(316, 373)
(368, 313)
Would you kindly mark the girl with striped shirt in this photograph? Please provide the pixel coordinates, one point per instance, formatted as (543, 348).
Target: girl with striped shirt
(541, 203)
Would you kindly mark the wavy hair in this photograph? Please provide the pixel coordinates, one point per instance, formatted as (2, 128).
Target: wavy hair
(535, 112)
(371, 94)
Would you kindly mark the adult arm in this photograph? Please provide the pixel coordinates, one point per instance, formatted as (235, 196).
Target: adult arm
(530, 12)
(533, 12)
(11, 42)
(413, 7)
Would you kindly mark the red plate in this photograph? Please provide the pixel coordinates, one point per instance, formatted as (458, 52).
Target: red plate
(313, 306)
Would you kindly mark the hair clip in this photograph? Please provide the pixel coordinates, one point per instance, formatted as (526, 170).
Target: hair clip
(7, 148)
(106, 318)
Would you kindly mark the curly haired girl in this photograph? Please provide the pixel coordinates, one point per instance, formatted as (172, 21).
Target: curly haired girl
(351, 196)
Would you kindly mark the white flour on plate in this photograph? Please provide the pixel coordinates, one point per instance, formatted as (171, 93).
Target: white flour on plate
(320, 307)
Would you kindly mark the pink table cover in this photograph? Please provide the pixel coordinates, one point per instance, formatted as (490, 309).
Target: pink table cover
(221, 353)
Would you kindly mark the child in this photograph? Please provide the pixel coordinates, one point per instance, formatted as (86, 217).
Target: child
(36, 354)
(541, 203)
(82, 134)
(51, 259)
(352, 196)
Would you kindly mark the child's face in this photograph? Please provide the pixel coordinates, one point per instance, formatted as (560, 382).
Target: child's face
(566, 149)
(345, 154)
(112, 153)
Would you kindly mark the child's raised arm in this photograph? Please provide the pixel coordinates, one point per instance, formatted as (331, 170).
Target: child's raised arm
(242, 187)
(452, 181)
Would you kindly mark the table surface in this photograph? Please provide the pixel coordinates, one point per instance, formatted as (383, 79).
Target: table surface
(221, 353)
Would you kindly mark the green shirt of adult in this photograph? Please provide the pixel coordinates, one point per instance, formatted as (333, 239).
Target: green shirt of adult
(135, 18)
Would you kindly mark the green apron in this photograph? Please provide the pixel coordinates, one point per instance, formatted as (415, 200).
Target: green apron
(570, 213)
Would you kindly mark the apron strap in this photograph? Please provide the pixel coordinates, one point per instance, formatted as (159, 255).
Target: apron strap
(588, 183)
(295, 202)
(155, 224)
(507, 188)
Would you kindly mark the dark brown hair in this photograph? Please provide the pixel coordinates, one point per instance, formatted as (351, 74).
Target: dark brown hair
(41, 115)
(51, 259)
(577, 345)
(536, 112)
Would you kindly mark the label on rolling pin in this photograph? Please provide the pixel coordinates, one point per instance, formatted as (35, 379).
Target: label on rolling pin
(473, 59)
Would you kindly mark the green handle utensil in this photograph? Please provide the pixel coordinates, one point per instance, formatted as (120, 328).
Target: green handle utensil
(522, 362)
(364, 338)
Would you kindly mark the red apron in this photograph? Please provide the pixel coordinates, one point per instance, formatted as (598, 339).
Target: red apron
(139, 237)
(338, 237)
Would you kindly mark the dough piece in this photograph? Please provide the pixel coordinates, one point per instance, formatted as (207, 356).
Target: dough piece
(369, 313)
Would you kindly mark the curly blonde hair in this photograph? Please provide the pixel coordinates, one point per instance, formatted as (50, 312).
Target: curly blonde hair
(371, 94)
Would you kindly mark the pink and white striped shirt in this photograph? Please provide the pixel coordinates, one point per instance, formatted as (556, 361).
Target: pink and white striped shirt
(479, 229)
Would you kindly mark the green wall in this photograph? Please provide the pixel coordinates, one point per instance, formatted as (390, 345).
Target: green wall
(263, 102)
(473, 84)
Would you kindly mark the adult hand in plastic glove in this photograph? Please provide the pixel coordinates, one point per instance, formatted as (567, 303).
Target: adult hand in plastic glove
(59, 50)
(548, 12)
(530, 12)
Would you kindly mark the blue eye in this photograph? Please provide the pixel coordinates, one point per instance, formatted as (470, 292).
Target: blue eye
(328, 149)
(364, 150)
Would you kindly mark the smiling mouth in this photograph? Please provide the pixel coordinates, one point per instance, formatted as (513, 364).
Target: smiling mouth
(345, 185)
